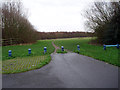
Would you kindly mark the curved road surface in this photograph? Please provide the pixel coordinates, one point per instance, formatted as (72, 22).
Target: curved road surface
(69, 70)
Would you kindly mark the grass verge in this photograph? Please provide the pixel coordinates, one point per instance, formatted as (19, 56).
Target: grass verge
(60, 51)
(110, 55)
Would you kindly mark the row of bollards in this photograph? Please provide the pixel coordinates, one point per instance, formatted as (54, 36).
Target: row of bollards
(29, 51)
(62, 48)
(45, 50)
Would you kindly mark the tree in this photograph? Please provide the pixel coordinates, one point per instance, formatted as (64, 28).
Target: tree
(103, 19)
(15, 23)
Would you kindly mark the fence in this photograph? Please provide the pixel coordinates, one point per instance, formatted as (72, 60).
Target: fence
(117, 45)
(11, 41)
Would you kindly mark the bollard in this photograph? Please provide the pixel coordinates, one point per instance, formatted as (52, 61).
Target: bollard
(104, 46)
(29, 51)
(78, 47)
(45, 50)
(117, 46)
(62, 48)
(10, 53)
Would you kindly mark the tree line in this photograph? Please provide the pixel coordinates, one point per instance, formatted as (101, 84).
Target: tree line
(103, 18)
(15, 24)
(55, 35)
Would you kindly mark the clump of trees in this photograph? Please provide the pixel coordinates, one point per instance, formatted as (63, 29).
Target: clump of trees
(15, 24)
(55, 35)
(104, 20)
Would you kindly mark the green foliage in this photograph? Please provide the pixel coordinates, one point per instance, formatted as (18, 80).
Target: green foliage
(60, 51)
(104, 21)
(110, 55)
(111, 34)
(37, 49)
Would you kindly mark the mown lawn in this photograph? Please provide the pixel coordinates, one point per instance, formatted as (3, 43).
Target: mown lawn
(110, 55)
(21, 61)
(37, 49)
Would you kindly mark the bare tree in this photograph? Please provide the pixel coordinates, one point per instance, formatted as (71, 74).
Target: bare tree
(15, 23)
(102, 19)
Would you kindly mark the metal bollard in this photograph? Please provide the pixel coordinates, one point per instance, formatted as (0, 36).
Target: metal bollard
(117, 46)
(29, 51)
(10, 53)
(78, 47)
(45, 50)
(104, 46)
(62, 48)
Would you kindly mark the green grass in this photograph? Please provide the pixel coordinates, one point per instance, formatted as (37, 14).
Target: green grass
(24, 64)
(110, 55)
(37, 49)
(60, 51)
(21, 61)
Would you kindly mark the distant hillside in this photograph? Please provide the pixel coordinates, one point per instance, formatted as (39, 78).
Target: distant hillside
(54, 35)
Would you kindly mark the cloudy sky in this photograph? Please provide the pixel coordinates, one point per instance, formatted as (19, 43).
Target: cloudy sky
(57, 15)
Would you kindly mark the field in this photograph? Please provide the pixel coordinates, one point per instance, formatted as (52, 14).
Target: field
(110, 55)
(21, 61)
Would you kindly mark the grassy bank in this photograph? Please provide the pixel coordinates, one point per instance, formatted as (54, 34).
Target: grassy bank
(110, 55)
(21, 61)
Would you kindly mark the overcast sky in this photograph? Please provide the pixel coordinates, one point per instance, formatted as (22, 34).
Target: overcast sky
(56, 15)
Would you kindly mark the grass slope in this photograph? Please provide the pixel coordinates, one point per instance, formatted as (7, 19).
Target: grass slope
(97, 52)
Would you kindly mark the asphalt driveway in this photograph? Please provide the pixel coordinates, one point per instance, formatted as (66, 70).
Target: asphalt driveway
(69, 70)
